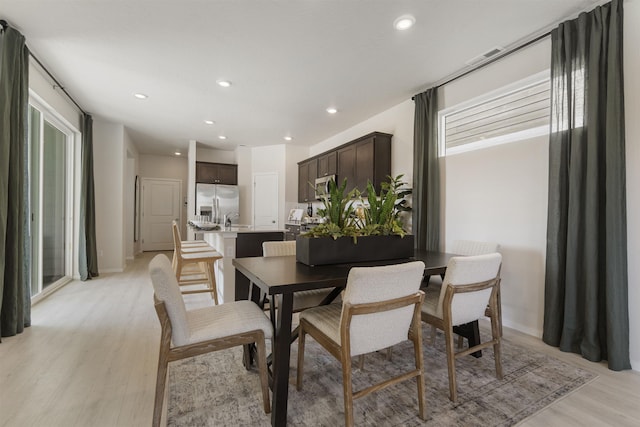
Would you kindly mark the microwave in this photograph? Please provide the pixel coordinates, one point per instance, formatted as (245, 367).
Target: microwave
(322, 185)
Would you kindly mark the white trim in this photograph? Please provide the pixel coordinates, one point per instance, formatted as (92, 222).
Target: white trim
(72, 191)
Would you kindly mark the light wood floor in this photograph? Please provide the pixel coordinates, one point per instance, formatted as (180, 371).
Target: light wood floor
(89, 359)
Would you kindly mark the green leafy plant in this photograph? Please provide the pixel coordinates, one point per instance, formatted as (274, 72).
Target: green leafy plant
(338, 212)
(382, 216)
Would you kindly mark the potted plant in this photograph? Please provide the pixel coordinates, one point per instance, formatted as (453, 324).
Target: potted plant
(358, 229)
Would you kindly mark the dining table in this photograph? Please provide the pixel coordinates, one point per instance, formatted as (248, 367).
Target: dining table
(280, 277)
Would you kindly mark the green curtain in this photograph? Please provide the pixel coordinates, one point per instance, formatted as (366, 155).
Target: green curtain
(14, 264)
(586, 306)
(87, 251)
(426, 172)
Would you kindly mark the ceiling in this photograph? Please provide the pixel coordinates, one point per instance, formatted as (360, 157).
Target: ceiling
(288, 61)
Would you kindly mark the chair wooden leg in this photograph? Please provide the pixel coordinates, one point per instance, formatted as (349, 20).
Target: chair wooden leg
(389, 354)
(460, 341)
(497, 352)
(451, 364)
(417, 349)
(348, 390)
(301, 335)
(361, 362)
(211, 275)
(264, 379)
(161, 376)
(433, 335)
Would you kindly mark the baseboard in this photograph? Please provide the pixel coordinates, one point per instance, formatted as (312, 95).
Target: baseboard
(110, 270)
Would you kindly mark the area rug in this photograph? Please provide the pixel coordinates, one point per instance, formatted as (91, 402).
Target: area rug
(216, 390)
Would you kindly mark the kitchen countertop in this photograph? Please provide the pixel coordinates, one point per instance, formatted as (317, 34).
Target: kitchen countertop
(235, 229)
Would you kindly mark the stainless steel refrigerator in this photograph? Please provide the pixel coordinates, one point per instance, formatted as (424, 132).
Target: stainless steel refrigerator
(218, 202)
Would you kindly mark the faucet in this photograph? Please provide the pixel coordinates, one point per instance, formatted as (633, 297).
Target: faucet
(227, 218)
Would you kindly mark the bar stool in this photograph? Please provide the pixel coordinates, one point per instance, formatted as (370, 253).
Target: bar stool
(202, 257)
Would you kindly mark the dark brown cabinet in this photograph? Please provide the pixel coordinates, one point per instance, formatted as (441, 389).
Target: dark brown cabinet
(365, 159)
(217, 173)
(307, 174)
(327, 164)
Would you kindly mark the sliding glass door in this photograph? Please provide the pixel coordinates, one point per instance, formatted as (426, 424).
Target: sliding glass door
(50, 178)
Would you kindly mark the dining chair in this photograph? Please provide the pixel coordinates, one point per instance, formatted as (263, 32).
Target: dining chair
(204, 274)
(192, 333)
(381, 308)
(468, 248)
(303, 299)
(470, 285)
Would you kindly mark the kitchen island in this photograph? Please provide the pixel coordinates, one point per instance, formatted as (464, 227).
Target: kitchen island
(238, 241)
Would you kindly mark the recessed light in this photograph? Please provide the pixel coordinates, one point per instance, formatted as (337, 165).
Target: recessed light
(140, 95)
(222, 137)
(404, 22)
(331, 110)
(224, 83)
(177, 153)
(210, 122)
(288, 138)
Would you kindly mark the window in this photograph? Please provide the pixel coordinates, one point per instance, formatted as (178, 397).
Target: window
(516, 112)
(51, 151)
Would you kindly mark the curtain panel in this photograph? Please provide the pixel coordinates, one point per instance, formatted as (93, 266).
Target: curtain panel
(426, 172)
(586, 306)
(87, 251)
(15, 299)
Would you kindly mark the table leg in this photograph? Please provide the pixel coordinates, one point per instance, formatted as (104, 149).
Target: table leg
(281, 356)
(471, 332)
(243, 285)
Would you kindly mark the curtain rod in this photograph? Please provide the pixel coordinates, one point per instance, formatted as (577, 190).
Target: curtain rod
(492, 60)
(496, 58)
(57, 84)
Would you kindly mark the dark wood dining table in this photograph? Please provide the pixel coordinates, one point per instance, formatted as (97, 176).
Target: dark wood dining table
(283, 276)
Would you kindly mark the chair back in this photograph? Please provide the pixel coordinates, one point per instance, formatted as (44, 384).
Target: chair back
(177, 239)
(469, 306)
(470, 247)
(376, 331)
(279, 248)
(167, 290)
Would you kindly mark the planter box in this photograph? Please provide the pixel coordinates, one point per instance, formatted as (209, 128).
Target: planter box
(325, 250)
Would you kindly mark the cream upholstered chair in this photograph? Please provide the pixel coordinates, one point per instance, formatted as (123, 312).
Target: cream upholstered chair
(303, 299)
(472, 247)
(203, 260)
(470, 285)
(381, 308)
(191, 333)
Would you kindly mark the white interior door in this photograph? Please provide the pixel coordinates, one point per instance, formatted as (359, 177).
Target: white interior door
(160, 206)
(265, 200)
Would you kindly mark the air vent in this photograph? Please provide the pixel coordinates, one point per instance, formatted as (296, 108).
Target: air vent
(484, 56)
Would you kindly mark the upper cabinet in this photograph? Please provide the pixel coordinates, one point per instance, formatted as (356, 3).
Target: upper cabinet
(365, 159)
(327, 164)
(216, 173)
(307, 174)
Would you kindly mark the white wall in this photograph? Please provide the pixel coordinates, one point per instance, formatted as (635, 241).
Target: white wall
(245, 183)
(632, 114)
(56, 99)
(108, 169)
(213, 155)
